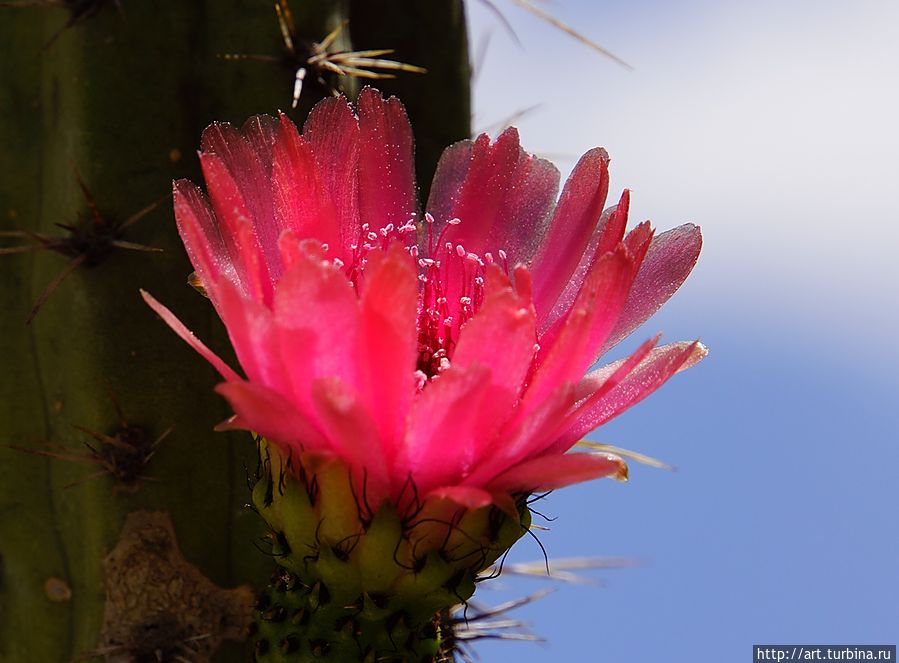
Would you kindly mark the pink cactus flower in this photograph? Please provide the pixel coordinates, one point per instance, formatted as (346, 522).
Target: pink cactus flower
(450, 348)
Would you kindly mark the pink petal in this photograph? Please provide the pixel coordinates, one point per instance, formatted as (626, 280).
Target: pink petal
(290, 246)
(589, 391)
(247, 157)
(648, 376)
(465, 496)
(188, 336)
(332, 131)
(524, 437)
(259, 132)
(574, 220)
(350, 430)
(452, 169)
(386, 169)
(608, 233)
(301, 202)
(263, 411)
(637, 243)
(318, 314)
(504, 201)
(501, 336)
(445, 427)
(612, 231)
(253, 336)
(202, 237)
(389, 333)
(668, 262)
(551, 472)
(598, 382)
(566, 356)
(237, 227)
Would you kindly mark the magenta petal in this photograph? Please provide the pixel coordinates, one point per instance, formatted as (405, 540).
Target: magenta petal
(389, 312)
(332, 131)
(351, 432)
(668, 262)
(576, 216)
(202, 238)
(599, 382)
(446, 427)
(465, 496)
(503, 202)
(594, 314)
(606, 236)
(300, 200)
(267, 413)
(551, 472)
(188, 336)
(259, 132)
(524, 437)
(592, 388)
(452, 169)
(386, 167)
(649, 375)
(502, 336)
(236, 226)
(247, 157)
(253, 336)
(316, 302)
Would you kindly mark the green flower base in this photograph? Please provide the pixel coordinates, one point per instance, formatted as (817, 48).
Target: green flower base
(363, 586)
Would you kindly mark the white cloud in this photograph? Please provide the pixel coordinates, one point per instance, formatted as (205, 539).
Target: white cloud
(773, 125)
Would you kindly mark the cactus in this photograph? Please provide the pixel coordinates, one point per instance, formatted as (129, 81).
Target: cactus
(101, 106)
(359, 582)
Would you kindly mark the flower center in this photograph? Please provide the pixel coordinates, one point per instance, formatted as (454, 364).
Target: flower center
(451, 285)
(452, 291)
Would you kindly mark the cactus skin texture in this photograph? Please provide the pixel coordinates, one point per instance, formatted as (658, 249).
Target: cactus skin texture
(121, 97)
(364, 584)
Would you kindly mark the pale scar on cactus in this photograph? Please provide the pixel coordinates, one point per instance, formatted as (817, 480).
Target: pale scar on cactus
(362, 582)
(159, 607)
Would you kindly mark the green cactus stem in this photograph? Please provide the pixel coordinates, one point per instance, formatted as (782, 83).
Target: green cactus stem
(117, 94)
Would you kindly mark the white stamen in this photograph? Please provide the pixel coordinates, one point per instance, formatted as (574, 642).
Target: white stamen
(421, 379)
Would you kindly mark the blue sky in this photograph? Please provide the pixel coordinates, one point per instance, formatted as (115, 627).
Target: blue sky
(773, 126)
